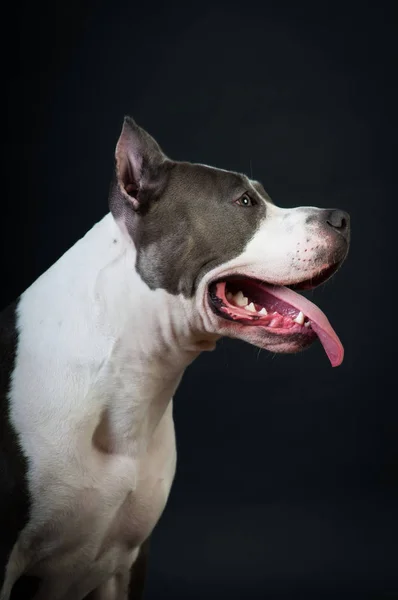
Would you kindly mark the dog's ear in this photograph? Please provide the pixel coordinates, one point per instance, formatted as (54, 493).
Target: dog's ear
(140, 165)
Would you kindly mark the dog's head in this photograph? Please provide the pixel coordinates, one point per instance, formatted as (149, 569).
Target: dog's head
(216, 238)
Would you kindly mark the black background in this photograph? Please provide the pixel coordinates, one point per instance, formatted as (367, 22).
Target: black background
(287, 481)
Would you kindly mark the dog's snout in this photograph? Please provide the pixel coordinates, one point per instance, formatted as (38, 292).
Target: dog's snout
(338, 220)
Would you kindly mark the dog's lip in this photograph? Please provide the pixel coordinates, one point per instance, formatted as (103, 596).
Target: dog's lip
(286, 296)
(323, 275)
(299, 284)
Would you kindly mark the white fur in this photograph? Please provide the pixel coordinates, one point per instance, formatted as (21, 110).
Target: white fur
(100, 356)
(92, 336)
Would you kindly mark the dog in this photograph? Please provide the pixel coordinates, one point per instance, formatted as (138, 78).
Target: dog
(92, 353)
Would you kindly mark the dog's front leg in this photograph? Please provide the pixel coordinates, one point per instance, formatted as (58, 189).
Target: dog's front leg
(99, 578)
(116, 588)
(138, 573)
(128, 585)
(16, 566)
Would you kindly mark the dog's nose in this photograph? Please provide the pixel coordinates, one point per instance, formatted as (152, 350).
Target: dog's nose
(338, 220)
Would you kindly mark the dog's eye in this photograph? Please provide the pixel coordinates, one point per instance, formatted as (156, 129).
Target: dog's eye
(245, 200)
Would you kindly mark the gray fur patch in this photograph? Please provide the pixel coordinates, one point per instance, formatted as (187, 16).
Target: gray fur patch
(191, 221)
(195, 226)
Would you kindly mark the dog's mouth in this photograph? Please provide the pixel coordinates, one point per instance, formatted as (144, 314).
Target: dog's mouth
(278, 309)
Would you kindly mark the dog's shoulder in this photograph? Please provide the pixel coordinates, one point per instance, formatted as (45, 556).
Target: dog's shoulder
(14, 502)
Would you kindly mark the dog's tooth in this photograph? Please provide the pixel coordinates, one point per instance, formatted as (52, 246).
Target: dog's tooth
(251, 307)
(263, 311)
(240, 299)
(307, 324)
(300, 318)
(229, 296)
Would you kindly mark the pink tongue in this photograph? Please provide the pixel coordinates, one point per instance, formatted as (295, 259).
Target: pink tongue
(319, 322)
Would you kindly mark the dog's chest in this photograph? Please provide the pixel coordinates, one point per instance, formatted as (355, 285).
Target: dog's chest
(103, 508)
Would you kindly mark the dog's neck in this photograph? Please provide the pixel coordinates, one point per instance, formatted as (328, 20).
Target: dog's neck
(172, 326)
(114, 346)
(154, 334)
